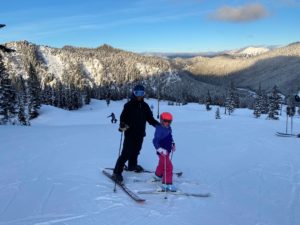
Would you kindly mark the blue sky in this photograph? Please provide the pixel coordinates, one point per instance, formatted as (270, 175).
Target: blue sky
(152, 25)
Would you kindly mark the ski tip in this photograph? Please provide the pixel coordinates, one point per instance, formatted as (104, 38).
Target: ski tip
(179, 174)
(208, 195)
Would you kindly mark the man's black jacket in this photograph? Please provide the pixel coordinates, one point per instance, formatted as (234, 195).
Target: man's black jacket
(135, 114)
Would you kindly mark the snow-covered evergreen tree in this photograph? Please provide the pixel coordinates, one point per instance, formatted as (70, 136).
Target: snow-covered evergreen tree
(208, 101)
(274, 104)
(264, 102)
(257, 108)
(7, 97)
(34, 91)
(47, 95)
(62, 93)
(22, 102)
(231, 99)
(87, 97)
(21, 112)
(258, 103)
(218, 116)
(73, 98)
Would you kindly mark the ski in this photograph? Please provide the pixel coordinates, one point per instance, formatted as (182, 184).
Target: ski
(145, 181)
(159, 191)
(178, 174)
(280, 134)
(154, 181)
(130, 193)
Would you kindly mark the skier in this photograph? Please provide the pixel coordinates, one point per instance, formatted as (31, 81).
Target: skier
(133, 120)
(164, 145)
(152, 107)
(113, 118)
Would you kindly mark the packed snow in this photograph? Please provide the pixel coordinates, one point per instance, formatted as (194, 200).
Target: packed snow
(50, 172)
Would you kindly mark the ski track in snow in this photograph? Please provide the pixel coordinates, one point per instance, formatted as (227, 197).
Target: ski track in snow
(11, 200)
(46, 199)
(294, 196)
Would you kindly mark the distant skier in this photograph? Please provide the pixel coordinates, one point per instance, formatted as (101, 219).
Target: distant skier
(133, 120)
(113, 118)
(152, 107)
(164, 145)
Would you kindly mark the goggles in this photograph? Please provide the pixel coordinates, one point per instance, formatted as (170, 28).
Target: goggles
(167, 121)
(139, 93)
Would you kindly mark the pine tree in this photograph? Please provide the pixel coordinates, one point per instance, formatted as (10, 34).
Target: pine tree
(7, 96)
(274, 104)
(73, 98)
(208, 101)
(22, 102)
(264, 102)
(34, 91)
(87, 97)
(218, 116)
(21, 112)
(258, 103)
(47, 95)
(231, 99)
(69, 101)
(59, 93)
(257, 108)
(62, 94)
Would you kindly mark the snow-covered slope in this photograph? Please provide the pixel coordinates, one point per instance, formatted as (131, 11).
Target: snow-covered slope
(50, 172)
(249, 51)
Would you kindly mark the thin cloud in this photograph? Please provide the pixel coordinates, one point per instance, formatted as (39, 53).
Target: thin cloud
(245, 13)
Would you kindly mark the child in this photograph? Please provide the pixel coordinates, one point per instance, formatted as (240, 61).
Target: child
(164, 145)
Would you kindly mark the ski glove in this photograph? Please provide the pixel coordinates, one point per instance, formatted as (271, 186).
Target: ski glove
(123, 127)
(162, 151)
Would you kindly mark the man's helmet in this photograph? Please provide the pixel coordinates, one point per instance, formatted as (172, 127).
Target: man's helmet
(139, 90)
(297, 98)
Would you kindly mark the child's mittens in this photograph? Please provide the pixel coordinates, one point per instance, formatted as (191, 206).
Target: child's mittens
(162, 151)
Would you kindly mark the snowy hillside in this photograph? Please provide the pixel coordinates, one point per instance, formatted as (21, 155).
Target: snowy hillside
(50, 172)
(96, 66)
(253, 51)
(249, 51)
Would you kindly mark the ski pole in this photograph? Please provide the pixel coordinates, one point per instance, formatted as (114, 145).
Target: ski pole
(291, 124)
(115, 187)
(286, 125)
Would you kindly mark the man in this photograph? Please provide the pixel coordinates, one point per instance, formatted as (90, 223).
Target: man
(133, 120)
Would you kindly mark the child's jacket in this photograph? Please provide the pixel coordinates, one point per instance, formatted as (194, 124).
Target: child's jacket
(163, 138)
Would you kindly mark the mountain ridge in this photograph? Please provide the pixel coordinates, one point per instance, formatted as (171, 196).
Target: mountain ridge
(193, 77)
